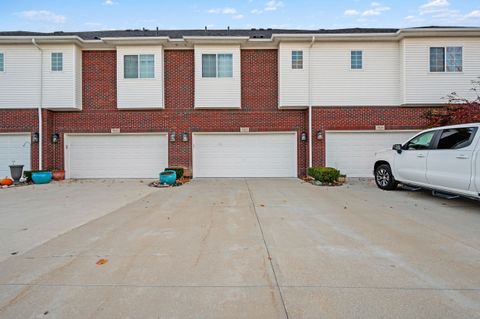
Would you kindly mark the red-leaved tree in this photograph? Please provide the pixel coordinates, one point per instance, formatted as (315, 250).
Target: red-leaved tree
(460, 110)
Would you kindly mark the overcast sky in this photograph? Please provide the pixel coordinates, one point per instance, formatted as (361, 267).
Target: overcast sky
(69, 15)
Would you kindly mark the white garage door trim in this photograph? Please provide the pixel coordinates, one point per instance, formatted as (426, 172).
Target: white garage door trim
(294, 169)
(367, 172)
(26, 157)
(69, 136)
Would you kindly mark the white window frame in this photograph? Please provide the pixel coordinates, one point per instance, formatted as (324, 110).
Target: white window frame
(216, 65)
(51, 62)
(294, 64)
(3, 62)
(361, 60)
(139, 77)
(445, 65)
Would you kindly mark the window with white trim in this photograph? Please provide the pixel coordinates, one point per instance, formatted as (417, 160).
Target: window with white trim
(139, 66)
(217, 65)
(57, 61)
(2, 62)
(446, 59)
(356, 60)
(297, 60)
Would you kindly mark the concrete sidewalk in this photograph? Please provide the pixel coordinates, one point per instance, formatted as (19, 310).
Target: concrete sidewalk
(257, 248)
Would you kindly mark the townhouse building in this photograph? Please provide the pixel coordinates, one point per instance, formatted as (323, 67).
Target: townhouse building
(223, 103)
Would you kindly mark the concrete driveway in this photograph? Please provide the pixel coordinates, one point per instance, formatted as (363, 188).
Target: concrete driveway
(244, 248)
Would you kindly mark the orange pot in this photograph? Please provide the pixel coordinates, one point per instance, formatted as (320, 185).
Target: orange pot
(58, 175)
(6, 182)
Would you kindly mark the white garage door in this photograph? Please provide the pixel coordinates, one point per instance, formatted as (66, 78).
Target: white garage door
(353, 153)
(14, 148)
(245, 155)
(115, 156)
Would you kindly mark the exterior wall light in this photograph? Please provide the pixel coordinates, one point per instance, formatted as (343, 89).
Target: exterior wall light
(55, 138)
(319, 135)
(172, 137)
(303, 136)
(35, 137)
(184, 137)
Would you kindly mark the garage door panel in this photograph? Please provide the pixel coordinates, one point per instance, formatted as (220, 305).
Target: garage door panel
(117, 156)
(353, 153)
(245, 155)
(14, 147)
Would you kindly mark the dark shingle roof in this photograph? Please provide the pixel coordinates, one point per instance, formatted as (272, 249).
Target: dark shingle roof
(177, 34)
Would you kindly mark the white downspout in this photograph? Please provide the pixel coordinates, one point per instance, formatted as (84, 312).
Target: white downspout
(310, 133)
(40, 106)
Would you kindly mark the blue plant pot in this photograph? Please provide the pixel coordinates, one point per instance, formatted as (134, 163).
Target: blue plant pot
(168, 177)
(41, 177)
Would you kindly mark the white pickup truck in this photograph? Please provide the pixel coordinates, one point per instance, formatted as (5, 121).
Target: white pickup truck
(444, 159)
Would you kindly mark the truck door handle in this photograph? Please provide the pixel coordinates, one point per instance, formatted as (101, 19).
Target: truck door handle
(462, 157)
(420, 155)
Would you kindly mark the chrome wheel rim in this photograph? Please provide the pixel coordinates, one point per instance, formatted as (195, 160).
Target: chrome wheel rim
(383, 177)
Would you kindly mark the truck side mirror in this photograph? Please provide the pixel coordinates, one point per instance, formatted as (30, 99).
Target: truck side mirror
(397, 147)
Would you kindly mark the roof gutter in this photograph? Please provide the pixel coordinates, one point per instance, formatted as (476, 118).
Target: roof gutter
(39, 108)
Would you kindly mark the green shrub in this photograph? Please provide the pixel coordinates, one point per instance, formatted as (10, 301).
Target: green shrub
(178, 170)
(324, 174)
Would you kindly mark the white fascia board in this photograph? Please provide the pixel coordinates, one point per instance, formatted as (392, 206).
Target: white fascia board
(41, 39)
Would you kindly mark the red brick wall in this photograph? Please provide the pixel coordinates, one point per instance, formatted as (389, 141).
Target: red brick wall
(259, 109)
(361, 118)
(259, 104)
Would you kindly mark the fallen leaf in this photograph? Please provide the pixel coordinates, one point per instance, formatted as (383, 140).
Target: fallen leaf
(102, 261)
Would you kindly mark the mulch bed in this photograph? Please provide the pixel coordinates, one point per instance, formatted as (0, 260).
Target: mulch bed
(179, 182)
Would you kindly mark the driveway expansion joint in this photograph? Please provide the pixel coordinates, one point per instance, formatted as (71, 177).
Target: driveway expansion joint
(267, 250)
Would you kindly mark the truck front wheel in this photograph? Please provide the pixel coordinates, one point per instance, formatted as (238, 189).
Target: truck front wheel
(384, 177)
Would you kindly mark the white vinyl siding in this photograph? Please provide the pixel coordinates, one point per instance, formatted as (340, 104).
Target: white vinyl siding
(424, 87)
(14, 148)
(140, 82)
(217, 83)
(2, 62)
(20, 82)
(115, 155)
(245, 154)
(333, 82)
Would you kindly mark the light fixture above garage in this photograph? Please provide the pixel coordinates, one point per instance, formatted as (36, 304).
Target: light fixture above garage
(172, 137)
(319, 135)
(35, 137)
(303, 136)
(55, 138)
(184, 137)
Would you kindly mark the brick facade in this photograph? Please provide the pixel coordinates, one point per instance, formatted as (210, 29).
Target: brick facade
(259, 112)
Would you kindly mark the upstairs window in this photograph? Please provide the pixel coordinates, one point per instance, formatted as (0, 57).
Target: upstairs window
(2, 62)
(217, 65)
(356, 58)
(297, 59)
(57, 61)
(139, 66)
(451, 62)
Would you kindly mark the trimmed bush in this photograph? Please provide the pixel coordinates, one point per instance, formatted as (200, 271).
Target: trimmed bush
(324, 174)
(178, 170)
